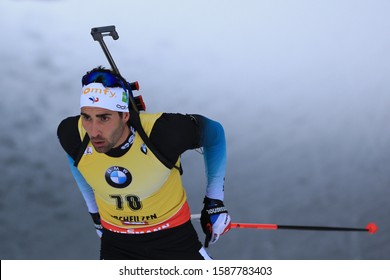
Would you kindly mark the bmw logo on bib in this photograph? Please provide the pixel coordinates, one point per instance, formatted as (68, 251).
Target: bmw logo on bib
(118, 177)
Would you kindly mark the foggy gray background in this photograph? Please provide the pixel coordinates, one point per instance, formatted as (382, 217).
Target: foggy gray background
(301, 87)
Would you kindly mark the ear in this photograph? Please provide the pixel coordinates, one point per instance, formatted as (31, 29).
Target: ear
(126, 116)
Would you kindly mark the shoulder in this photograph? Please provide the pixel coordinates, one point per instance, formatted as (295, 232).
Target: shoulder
(176, 121)
(148, 121)
(68, 135)
(173, 134)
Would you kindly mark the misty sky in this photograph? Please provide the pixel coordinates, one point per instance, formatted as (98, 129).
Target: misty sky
(301, 88)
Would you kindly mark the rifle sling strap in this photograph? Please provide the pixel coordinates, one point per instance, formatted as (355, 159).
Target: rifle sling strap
(136, 123)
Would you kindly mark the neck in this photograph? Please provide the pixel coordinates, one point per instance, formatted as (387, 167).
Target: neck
(125, 135)
(124, 145)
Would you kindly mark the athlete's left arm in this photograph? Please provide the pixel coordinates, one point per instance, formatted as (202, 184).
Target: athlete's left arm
(212, 139)
(173, 134)
(214, 219)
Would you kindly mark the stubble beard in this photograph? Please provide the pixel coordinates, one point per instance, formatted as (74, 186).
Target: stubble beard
(110, 142)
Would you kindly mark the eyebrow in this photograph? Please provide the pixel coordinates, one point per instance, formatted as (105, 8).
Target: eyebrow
(98, 115)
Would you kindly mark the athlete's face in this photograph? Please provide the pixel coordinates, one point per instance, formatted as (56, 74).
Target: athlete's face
(106, 129)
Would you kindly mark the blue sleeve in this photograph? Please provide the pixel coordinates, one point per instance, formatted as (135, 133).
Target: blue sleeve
(84, 187)
(212, 139)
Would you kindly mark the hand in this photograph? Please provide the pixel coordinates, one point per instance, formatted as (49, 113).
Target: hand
(99, 230)
(214, 219)
(98, 225)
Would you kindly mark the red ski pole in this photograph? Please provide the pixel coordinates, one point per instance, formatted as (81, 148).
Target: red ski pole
(370, 228)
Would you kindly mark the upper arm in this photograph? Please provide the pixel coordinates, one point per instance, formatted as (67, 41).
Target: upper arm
(69, 136)
(173, 134)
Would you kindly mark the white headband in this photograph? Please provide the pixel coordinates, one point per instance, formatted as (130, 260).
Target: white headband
(96, 95)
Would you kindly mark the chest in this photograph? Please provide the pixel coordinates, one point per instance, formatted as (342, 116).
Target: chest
(138, 171)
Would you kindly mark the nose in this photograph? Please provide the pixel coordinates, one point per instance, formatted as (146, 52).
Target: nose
(94, 129)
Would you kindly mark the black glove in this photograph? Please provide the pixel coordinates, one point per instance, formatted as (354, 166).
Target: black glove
(98, 225)
(214, 219)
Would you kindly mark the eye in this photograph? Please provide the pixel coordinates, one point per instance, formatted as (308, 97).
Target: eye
(104, 118)
(86, 118)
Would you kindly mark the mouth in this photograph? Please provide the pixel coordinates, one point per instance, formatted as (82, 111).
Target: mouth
(98, 143)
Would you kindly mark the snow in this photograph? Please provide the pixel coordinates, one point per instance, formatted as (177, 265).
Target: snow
(301, 88)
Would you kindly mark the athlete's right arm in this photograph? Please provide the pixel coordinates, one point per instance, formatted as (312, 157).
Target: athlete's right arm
(84, 187)
(88, 195)
(70, 141)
